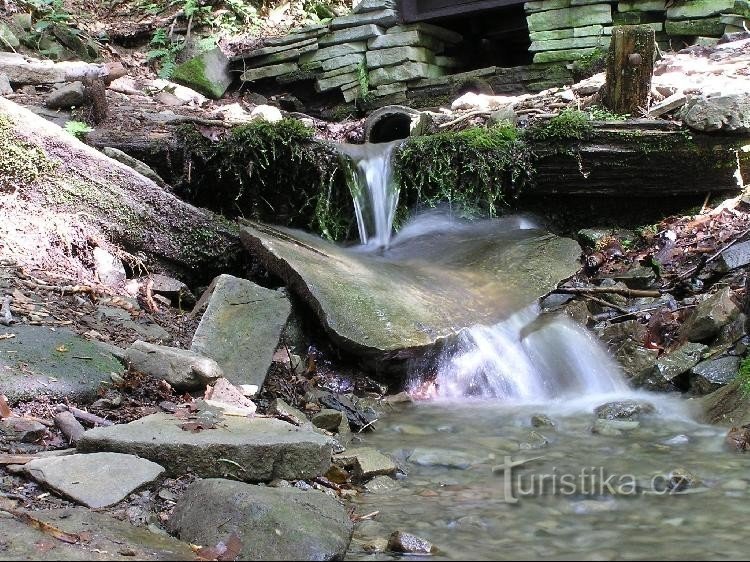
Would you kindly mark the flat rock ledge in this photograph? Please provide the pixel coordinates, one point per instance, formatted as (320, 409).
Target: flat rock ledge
(247, 449)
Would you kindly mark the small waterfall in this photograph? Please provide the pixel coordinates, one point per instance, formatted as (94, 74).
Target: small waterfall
(375, 193)
(526, 359)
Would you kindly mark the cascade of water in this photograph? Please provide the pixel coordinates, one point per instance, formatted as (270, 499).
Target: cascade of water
(527, 359)
(374, 191)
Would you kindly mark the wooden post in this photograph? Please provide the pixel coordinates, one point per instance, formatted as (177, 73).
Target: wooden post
(630, 66)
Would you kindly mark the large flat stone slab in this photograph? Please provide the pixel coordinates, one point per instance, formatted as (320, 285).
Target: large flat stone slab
(424, 288)
(40, 361)
(241, 328)
(96, 480)
(253, 450)
(270, 523)
(106, 539)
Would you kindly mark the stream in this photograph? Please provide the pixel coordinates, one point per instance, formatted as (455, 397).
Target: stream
(506, 459)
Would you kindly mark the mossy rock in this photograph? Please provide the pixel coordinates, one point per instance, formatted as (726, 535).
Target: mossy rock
(207, 73)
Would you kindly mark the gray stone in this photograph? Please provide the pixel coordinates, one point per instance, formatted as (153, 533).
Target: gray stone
(8, 39)
(384, 18)
(699, 8)
(241, 328)
(671, 366)
(328, 419)
(736, 256)
(176, 290)
(274, 49)
(253, 450)
(675, 101)
(366, 463)
(5, 87)
(725, 113)
(448, 62)
(390, 89)
(544, 5)
(380, 484)
(282, 56)
(710, 316)
(23, 430)
(405, 72)
(270, 523)
(343, 80)
(446, 458)
(351, 69)
(352, 92)
(639, 277)
(207, 73)
(106, 538)
(570, 17)
(572, 43)
(399, 541)
(31, 365)
(343, 61)
(614, 428)
(289, 413)
(406, 39)
(334, 52)
(109, 268)
(181, 368)
(356, 295)
(708, 376)
(708, 27)
(97, 480)
(562, 55)
(373, 5)
(309, 32)
(640, 6)
(269, 71)
(441, 33)
(137, 165)
(397, 55)
(66, 96)
(727, 406)
(623, 410)
(542, 420)
(636, 361)
(351, 34)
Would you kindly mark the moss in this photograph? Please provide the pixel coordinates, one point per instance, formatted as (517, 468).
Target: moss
(590, 64)
(477, 170)
(21, 162)
(743, 375)
(272, 172)
(193, 73)
(568, 125)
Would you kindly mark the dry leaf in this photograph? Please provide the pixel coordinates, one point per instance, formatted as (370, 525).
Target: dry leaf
(62, 349)
(46, 528)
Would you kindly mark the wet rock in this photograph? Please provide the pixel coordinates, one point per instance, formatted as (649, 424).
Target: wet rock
(680, 479)
(183, 369)
(579, 311)
(624, 410)
(407, 543)
(380, 484)
(738, 438)
(727, 406)
(376, 307)
(241, 328)
(710, 316)
(375, 545)
(366, 463)
(447, 458)
(640, 277)
(289, 413)
(253, 450)
(541, 420)
(636, 361)
(328, 419)
(667, 372)
(67, 96)
(40, 361)
(534, 441)
(735, 256)
(106, 539)
(23, 430)
(96, 480)
(614, 428)
(726, 113)
(708, 376)
(270, 523)
(172, 288)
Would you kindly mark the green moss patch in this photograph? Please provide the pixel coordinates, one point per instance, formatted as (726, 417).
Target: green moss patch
(21, 162)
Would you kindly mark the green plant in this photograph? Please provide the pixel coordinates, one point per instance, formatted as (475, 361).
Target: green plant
(743, 375)
(569, 124)
(365, 95)
(603, 114)
(78, 129)
(164, 52)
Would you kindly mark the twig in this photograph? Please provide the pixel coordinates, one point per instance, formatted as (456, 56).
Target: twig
(86, 416)
(473, 113)
(46, 528)
(692, 271)
(357, 518)
(607, 304)
(608, 290)
(705, 202)
(361, 429)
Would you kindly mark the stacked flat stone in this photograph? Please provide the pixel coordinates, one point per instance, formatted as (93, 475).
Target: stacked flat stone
(700, 18)
(643, 12)
(566, 30)
(738, 18)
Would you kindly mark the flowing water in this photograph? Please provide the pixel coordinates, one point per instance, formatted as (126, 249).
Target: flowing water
(507, 460)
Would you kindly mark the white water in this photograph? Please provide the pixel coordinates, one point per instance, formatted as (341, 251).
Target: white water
(374, 191)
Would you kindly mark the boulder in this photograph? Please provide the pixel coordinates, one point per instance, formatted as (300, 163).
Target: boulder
(181, 368)
(289, 413)
(8, 39)
(207, 73)
(23, 430)
(699, 8)
(406, 543)
(387, 305)
(624, 410)
(669, 368)
(106, 538)
(366, 463)
(96, 480)
(253, 450)
(67, 96)
(727, 406)
(268, 523)
(710, 316)
(40, 361)
(241, 328)
(328, 419)
(5, 87)
(708, 376)
(137, 165)
(728, 113)
(362, 6)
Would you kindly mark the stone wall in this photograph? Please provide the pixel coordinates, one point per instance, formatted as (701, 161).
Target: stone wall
(566, 30)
